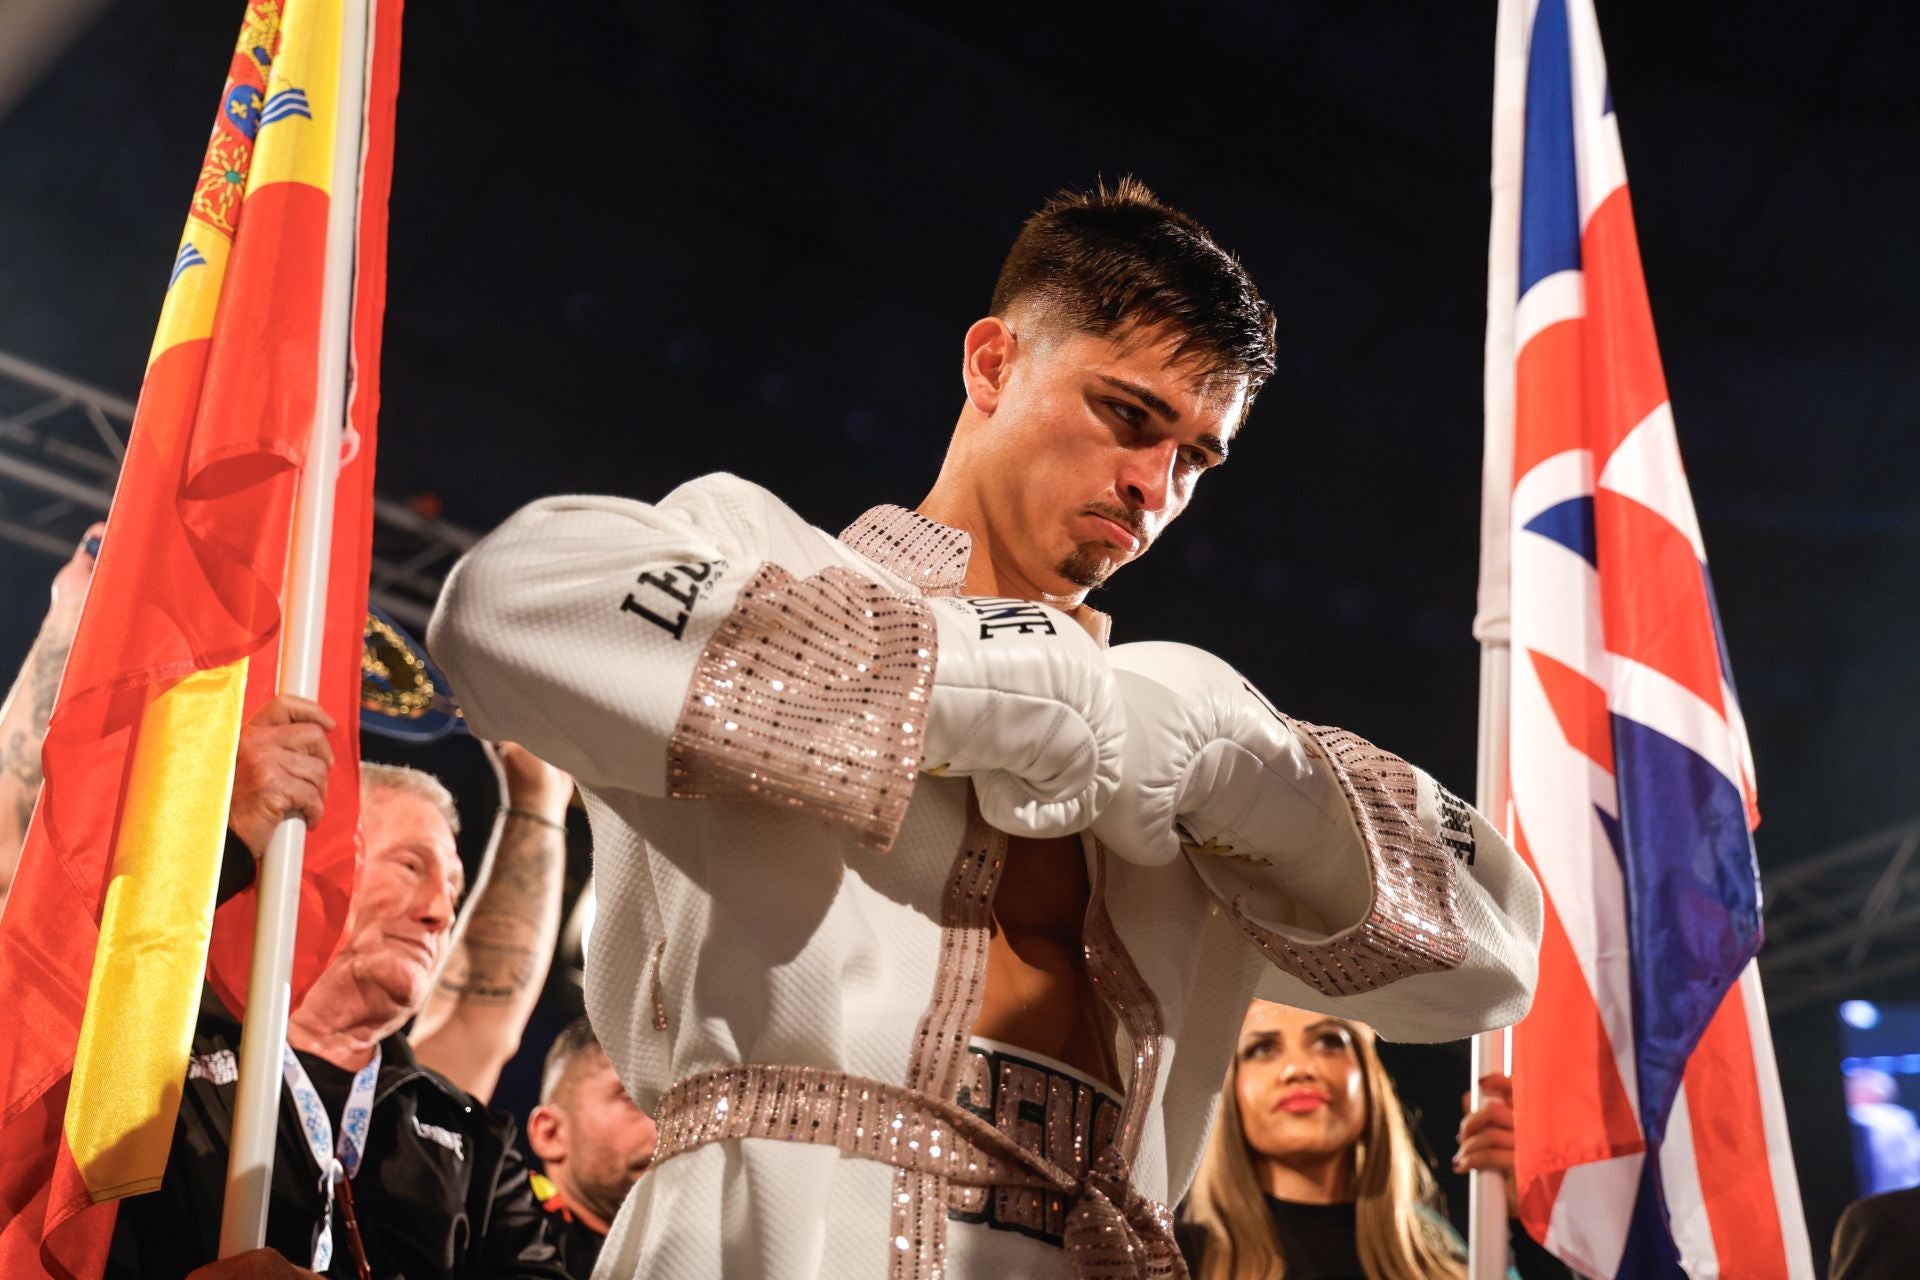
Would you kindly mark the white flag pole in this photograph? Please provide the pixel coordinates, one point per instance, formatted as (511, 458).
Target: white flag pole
(1486, 1189)
(256, 1114)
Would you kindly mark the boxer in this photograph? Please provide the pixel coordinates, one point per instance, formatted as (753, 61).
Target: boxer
(927, 921)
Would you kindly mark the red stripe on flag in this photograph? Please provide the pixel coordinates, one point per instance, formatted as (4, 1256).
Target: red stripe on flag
(1628, 382)
(1653, 597)
(333, 848)
(1548, 411)
(273, 287)
(1730, 1147)
(1580, 706)
(1578, 1111)
(48, 1226)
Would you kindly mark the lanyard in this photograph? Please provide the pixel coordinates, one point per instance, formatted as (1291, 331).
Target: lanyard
(338, 1161)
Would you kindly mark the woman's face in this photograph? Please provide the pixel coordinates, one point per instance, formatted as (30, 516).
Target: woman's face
(1300, 1086)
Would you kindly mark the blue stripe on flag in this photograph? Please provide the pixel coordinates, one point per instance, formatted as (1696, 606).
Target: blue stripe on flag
(1549, 199)
(1570, 524)
(1719, 632)
(1650, 1253)
(1611, 825)
(189, 256)
(288, 102)
(1693, 902)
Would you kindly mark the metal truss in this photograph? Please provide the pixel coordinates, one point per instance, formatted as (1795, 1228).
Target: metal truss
(1843, 921)
(61, 445)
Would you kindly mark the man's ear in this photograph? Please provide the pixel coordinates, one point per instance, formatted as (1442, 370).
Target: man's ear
(988, 350)
(547, 1133)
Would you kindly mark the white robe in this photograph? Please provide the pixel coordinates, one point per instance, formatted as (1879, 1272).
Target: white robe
(803, 911)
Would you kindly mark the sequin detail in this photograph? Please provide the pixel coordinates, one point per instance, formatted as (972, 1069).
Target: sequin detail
(1112, 1231)
(1056, 1116)
(659, 998)
(934, 558)
(1413, 921)
(1118, 981)
(812, 694)
(940, 1042)
(928, 554)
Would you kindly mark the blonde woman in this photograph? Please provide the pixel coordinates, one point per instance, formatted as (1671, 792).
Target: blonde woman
(1310, 1172)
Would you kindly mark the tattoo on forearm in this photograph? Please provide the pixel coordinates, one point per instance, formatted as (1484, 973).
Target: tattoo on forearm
(49, 664)
(516, 915)
(32, 701)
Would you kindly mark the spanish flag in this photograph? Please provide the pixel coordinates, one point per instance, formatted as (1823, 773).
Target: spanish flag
(107, 934)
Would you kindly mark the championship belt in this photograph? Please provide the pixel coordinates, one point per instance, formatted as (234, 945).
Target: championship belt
(402, 693)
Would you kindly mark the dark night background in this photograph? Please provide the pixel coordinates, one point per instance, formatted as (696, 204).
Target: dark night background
(635, 243)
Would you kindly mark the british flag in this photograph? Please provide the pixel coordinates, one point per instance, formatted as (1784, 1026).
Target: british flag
(1652, 1135)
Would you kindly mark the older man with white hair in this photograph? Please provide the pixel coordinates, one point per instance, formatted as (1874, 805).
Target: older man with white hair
(383, 1166)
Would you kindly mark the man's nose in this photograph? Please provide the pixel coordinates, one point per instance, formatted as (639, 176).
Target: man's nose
(433, 906)
(1146, 475)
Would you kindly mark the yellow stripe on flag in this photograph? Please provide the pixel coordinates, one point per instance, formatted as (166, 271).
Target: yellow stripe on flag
(295, 142)
(194, 294)
(144, 995)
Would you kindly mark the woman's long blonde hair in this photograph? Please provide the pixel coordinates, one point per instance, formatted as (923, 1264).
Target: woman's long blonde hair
(1396, 1241)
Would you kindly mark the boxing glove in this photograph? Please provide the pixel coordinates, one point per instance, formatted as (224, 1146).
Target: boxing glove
(1023, 703)
(1210, 765)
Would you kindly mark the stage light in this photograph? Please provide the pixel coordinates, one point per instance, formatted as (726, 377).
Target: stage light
(1861, 1014)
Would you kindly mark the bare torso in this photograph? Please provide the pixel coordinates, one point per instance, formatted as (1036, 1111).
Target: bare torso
(1039, 993)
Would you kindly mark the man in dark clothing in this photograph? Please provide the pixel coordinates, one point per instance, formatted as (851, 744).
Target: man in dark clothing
(593, 1140)
(382, 1167)
(441, 1191)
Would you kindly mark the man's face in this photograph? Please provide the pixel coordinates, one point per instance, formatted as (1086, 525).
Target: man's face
(402, 913)
(1094, 446)
(607, 1140)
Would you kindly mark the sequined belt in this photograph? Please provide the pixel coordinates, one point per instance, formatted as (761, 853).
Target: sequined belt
(1112, 1233)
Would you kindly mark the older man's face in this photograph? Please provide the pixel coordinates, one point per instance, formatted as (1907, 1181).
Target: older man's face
(398, 930)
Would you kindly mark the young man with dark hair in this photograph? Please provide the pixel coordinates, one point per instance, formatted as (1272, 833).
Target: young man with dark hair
(927, 921)
(592, 1141)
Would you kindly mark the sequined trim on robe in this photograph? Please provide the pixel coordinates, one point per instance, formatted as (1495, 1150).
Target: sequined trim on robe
(918, 1249)
(1112, 1231)
(1413, 919)
(930, 555)
(934, 558)
(1117, 979)
(1048, 1109)
(812, 694)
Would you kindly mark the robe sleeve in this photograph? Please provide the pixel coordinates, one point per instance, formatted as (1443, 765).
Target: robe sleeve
(1404, 909)
(662, 649)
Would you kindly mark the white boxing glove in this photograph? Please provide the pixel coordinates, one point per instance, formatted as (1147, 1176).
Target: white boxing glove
(1209, 765)
(1024, 704)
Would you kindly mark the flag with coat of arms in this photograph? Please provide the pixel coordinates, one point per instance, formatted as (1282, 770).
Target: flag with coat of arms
(111, 924)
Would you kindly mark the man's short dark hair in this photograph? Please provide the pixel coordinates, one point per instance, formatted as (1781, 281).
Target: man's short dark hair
(1113, 259)
(575, 1042)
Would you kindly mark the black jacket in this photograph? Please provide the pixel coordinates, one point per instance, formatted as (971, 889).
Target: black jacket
(441, 1191)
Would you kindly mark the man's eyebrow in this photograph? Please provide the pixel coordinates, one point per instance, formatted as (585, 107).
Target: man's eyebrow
(1210, 441)
(1146, 397)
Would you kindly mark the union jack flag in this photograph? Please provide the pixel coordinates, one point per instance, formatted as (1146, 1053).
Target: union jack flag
(1652, 1138)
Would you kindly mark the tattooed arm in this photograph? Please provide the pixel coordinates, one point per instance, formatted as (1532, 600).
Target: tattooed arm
(28, 708)
(472, 1023)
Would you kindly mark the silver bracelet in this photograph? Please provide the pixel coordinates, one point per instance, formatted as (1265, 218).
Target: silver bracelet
(515, 811)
